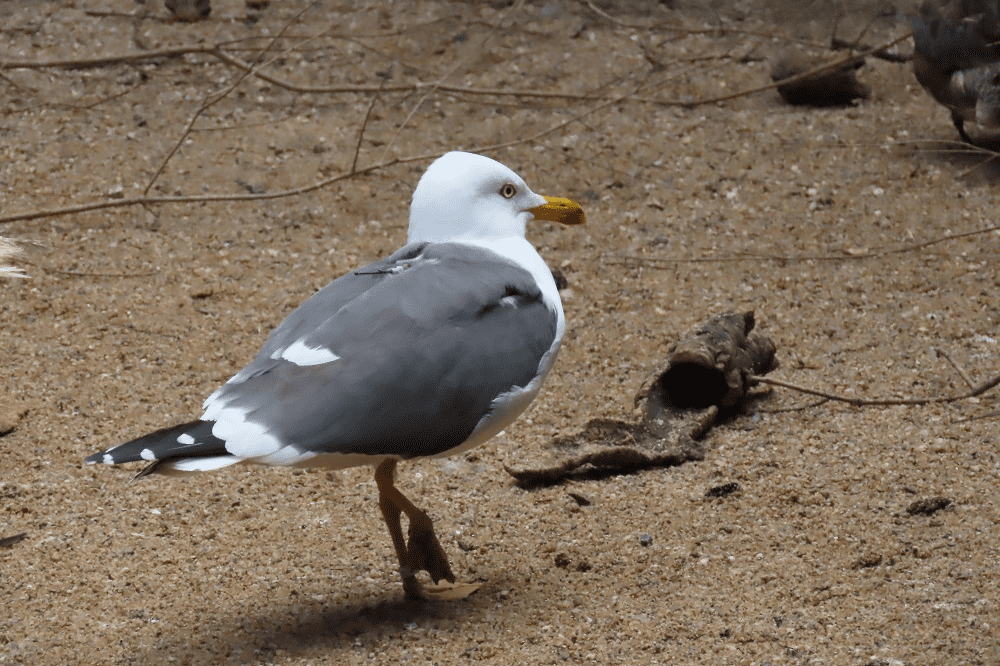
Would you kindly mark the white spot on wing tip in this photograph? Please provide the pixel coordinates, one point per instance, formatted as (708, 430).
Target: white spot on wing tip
(185, 439)
(147, 454)
(300, 353)
(108, 460)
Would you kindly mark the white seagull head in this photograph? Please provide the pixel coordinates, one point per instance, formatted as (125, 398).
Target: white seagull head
(468, 196)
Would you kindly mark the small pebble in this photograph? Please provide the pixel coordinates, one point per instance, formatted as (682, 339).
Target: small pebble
(645, 540)
(723, 490)
(928, 506)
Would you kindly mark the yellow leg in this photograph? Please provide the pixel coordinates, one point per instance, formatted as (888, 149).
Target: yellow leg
(423, 551)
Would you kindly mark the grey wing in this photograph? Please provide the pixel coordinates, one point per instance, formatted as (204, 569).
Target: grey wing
(308, 317)
(416, 357)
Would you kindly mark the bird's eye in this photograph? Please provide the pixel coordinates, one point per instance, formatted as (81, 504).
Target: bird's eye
(508, 191)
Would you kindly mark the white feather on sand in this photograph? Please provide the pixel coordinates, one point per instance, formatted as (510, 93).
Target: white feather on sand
(9, 250)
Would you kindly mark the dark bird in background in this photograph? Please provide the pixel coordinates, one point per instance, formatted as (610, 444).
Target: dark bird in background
(957, 59)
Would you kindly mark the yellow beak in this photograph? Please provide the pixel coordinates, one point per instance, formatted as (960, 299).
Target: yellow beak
(557, 209)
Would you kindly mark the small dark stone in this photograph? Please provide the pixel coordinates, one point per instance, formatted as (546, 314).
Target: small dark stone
(645, 540)
(723, 490)
(7, 542)
(928, 506)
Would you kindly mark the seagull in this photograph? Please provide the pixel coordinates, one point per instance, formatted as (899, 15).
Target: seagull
(957, 59)
(425, 353)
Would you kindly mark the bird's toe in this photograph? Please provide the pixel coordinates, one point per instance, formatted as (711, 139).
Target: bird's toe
(425, 553)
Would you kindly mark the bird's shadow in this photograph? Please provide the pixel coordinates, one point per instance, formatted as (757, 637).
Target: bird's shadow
(294, 629)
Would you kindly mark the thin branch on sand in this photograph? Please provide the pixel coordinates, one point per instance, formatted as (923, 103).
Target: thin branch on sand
(881, 402)
(146, 200)
(218, 97)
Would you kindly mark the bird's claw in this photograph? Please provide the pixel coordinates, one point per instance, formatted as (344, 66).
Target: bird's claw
(424, 552)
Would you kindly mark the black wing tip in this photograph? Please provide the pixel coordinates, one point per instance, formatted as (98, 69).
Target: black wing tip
(163, 444)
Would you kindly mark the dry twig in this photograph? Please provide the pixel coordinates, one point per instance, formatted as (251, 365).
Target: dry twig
(361, 132)
(147, 200)
(821, 69)
(218, 97)
(881, 402)
(976, 418)
(223, 53)
(664, 262)
(961, 373)
(434, 86)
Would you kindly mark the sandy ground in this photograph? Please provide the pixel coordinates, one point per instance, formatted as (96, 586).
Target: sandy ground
(841, 227)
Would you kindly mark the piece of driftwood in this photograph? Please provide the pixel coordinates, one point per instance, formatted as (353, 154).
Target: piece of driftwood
(711, 365)
(708, 369)
(839, 87)
(606, 447)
